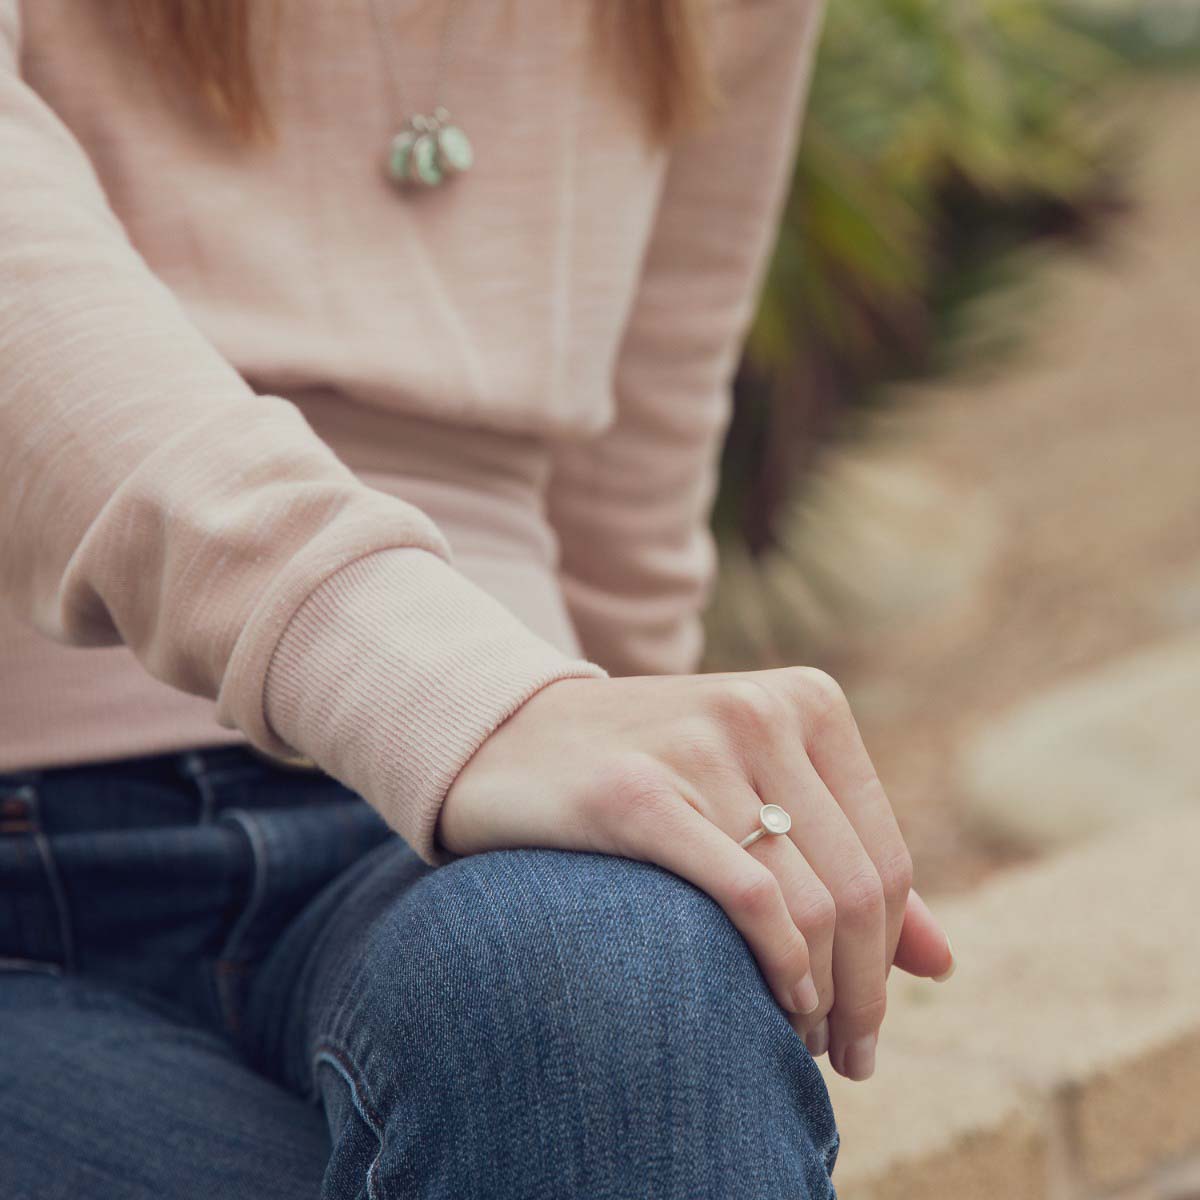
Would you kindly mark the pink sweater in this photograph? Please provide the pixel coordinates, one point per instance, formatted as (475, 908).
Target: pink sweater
(289, 458)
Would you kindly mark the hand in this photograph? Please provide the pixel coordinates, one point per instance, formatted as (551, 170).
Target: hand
(673, 770)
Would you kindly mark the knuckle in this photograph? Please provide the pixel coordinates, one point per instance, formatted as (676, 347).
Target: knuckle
(795, 958)
(747, 706)
(821, 694)
(821, 684)
(756, 894)
(859, 899)
(864, 1014)
(896, 876)
(816, 914)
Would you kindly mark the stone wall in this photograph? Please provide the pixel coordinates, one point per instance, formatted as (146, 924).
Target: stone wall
(1062, 1060)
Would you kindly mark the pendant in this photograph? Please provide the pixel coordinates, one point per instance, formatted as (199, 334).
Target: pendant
(428, 151)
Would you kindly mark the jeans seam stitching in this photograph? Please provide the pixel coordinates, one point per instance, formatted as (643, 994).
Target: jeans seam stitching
(342, 1063)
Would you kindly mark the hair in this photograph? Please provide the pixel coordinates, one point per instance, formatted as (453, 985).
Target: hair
(661, 44)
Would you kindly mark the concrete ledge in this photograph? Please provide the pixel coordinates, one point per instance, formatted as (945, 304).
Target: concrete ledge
(1062, 1060)
(1090, 743)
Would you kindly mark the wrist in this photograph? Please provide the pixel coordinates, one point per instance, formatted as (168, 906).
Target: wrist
(487, 805)
(394, 672)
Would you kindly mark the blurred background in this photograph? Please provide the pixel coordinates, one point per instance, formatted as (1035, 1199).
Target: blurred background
(963, 475)
(964, 470)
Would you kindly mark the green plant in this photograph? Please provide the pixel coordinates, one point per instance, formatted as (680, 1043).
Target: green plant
(945, 138)
(939, 135)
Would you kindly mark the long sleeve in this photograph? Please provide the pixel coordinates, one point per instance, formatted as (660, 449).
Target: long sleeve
(149, 496)
(631, 506)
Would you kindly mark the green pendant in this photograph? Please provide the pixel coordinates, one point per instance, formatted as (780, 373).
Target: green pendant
(401, 155)
(424, 166)
(454, 150)
(428, 150)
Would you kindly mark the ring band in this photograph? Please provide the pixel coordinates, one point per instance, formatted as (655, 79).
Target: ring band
(771, 819)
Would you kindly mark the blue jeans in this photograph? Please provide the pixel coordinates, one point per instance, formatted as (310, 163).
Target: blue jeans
(222, 978)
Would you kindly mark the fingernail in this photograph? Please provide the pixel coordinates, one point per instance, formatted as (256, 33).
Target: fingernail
(804, 995)
(950, 969)
(858, 1062)
(817, 1040)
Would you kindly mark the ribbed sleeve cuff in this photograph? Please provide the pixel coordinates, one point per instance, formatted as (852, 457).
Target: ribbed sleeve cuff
(393, 672)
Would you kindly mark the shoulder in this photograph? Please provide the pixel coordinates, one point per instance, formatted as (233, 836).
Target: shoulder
(746, 34)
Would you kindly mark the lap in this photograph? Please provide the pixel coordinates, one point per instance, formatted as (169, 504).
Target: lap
(518, 1023)
(519, 1020)
(104, 1097)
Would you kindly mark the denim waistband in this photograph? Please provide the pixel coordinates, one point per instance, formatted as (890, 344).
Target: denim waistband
(182, 787)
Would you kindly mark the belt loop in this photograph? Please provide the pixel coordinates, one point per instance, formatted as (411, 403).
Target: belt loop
(20, 815)
(195, 768)
(18, 810)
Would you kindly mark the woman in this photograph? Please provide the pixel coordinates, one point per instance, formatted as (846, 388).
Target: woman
(340, 499)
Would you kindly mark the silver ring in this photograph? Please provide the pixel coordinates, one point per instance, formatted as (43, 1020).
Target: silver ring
(771, 819)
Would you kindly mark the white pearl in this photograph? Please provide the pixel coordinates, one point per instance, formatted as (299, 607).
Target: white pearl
(774, 819)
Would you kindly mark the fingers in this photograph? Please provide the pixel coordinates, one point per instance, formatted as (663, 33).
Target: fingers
(836, 750)
(787, 737)
(924, 949)
(812, 910)
(670, 832)
(832, 847)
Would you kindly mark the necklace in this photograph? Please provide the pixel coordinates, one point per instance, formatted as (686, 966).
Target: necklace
(430, 148)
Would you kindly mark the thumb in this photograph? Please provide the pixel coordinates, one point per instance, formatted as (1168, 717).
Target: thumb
(923, 949)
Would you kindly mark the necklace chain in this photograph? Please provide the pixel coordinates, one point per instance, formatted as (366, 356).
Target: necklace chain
(384, 36)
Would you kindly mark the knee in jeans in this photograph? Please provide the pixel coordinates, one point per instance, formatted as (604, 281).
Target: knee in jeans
(530, 994)
(602, 955)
